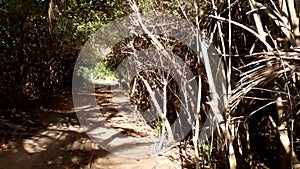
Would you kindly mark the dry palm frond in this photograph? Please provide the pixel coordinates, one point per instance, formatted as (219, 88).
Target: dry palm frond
(264, 68)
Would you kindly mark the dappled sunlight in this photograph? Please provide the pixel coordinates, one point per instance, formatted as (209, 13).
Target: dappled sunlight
(151, 84)
(83, 143)
(41, 141)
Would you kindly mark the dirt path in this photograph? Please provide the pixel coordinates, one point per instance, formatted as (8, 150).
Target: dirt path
(59, 142)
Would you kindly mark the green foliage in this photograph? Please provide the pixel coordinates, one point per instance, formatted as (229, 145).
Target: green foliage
(102, 72)
(158, 128)
(99, 72)
(39, 44)
(205, 150)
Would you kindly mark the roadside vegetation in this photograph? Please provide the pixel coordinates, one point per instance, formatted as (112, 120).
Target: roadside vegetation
(258, 42)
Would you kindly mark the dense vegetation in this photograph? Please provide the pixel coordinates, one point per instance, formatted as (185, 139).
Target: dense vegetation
(258, 42)
(40, 41)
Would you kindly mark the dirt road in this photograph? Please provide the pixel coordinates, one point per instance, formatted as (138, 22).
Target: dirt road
(58, 141)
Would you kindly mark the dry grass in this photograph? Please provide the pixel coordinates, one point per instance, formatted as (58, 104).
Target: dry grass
(258, 43)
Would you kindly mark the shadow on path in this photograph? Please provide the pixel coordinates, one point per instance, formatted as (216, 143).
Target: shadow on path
(52, 138)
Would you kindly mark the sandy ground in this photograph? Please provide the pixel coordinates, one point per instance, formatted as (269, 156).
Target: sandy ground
(60, 142)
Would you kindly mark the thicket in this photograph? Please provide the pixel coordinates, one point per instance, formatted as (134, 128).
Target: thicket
(258, 42)
(40, 42)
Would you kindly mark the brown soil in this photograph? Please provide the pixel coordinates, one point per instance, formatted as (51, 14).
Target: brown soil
(52, 138)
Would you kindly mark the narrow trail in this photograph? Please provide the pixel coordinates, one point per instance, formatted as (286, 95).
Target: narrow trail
(57, 141)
